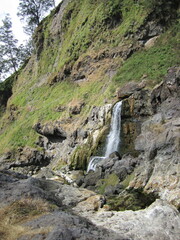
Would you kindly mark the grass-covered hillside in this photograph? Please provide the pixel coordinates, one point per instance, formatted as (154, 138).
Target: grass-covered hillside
(84, 51)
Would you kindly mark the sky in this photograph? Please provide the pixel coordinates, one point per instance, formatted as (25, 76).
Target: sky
(10, 6)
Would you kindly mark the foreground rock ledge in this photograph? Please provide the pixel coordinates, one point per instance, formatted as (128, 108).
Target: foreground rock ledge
(80, 214)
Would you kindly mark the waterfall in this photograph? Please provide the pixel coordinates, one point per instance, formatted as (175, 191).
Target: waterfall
(93, 162)
(113, 138)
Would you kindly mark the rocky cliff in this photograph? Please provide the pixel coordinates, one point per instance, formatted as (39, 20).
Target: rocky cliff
(56, 112)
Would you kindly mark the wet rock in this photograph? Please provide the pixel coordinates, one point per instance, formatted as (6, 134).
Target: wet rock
(135, 109)
(107, 164)
(91, 178)
(137, 105)
(124, 167)
(115, 155)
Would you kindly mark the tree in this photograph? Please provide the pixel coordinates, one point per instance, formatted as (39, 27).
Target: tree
(32, 12)
(9, 52)
(26, 50)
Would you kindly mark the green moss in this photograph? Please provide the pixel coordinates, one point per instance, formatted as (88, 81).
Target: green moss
(133, 199)
(82, 154)
(111, 180)
(127, 180)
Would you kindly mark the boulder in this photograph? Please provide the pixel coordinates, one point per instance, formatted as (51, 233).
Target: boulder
(52, 130)
(129, 89)
(115, 155)
(91, 178)
(33, 207)
(159, 221)
(26, 161)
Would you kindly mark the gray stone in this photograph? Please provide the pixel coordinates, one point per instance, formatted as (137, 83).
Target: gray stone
(115, 155)
(91, 178)
(159, 221)
(52, 130)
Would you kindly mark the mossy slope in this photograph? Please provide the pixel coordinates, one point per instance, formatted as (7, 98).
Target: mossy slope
(86, 29)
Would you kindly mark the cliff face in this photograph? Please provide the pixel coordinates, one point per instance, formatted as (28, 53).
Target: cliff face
(84, 52)
(56, 112)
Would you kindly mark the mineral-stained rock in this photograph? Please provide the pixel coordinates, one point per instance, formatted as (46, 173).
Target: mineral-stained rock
(135, 109)
(138, 105)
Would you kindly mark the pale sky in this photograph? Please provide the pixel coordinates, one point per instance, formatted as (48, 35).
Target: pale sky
(10, 6)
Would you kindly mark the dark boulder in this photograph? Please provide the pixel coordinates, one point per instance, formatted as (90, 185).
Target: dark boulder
(115, 155)
(52, 130)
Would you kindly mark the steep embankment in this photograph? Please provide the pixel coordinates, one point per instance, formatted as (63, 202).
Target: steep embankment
(79, 49)
(61, 100)
(55, 115)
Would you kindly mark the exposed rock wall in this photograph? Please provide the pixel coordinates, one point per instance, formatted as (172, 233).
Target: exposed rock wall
(150, 141)
(159, 142)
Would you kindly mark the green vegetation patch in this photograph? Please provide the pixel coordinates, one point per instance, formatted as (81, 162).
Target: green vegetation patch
(111, 181)
(132, 199)
(154, 61)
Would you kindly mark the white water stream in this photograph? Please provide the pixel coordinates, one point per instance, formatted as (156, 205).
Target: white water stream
(113, 138)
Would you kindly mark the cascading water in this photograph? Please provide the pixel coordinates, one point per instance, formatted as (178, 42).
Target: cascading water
(113, 138)
(94, 161)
